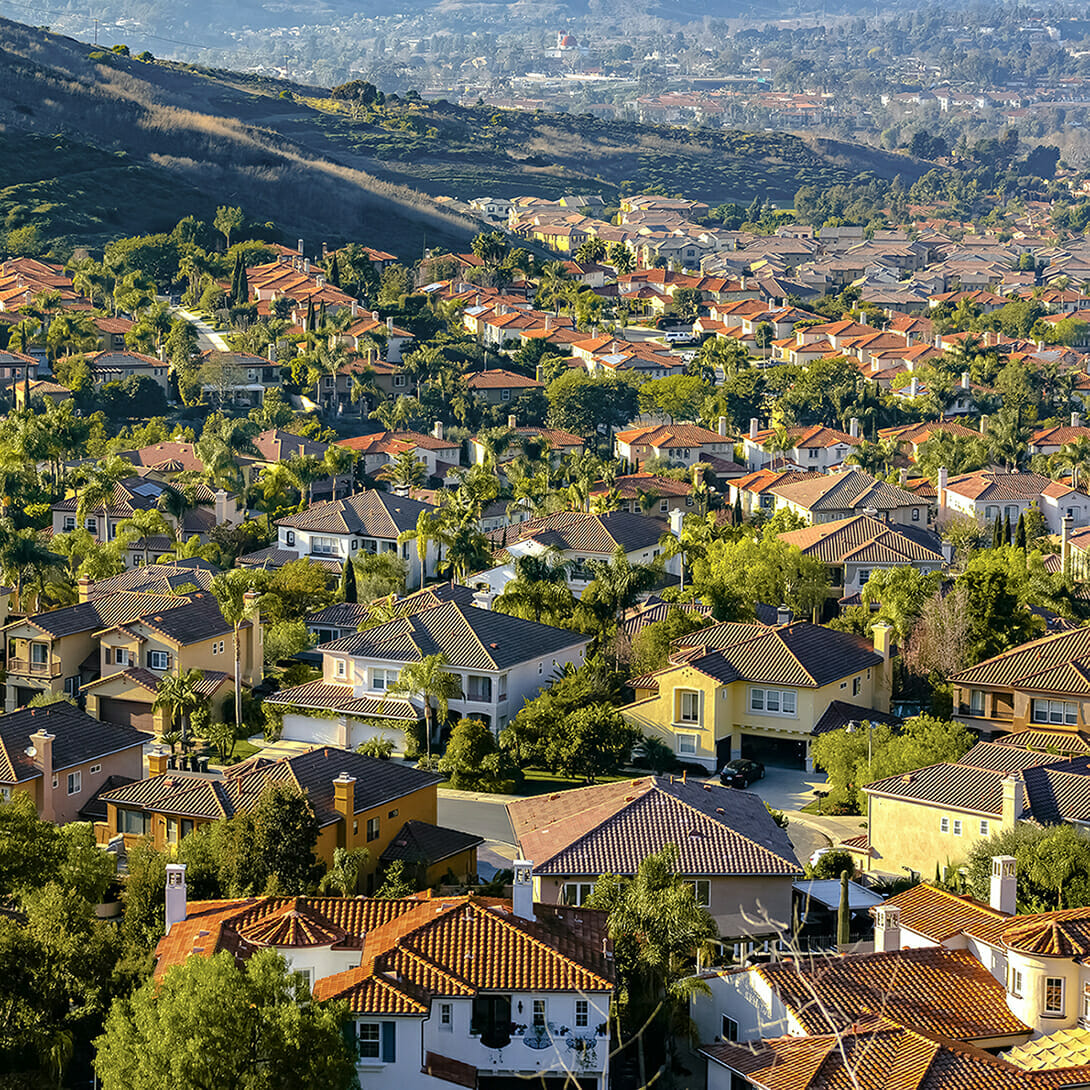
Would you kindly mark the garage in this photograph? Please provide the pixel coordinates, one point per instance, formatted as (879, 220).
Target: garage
(780, 752)
(318, 731)
(127, 713)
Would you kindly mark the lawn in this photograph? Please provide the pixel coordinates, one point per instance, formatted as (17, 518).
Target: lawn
(243, 750)
(539, 782)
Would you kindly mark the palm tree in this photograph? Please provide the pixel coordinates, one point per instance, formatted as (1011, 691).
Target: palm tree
(99, 488)
(428, 680)
(143, 525)
(22, 557)
(1073, 456)
(429, 527)
(539, 590)
(328, 361)
(616, 586)
(405, 473)
(92, 279)
(231, 590)
(467, 550)
(179, 696)
(69, 334)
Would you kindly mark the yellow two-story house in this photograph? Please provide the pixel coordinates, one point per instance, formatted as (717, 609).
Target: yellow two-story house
(759, 691)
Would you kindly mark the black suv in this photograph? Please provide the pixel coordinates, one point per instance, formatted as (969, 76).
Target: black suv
(741, 773)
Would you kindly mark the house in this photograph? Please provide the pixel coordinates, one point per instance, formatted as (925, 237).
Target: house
(579, 537)
(40, 388)
(333, 531)
(115, 645)
(854, 547)
(740, 863)
(135, 494)
(815, 448)
(345, 618)
(989, 494)
(359, 801)
(913, 436)
(474, 991)
(500, 661)
(1052, 440)
(647, 493)
(431, 854)
(822, 498)
(274, 445)
(684, 444)
(238, 378)
(110, 366)
(437, 454)
(60, 756)
(758, 691)
(500, 387)
(559, 444)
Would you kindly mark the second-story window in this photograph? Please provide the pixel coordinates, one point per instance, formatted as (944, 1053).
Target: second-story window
(582, 1013)
(1056, 711)
(158, 660)
(39, 654)
(289, 537)
(1054, 995)
(479, 688)
(688, 706)
(539, 1012)
(976, 702)
(324, 546)
(372, 829)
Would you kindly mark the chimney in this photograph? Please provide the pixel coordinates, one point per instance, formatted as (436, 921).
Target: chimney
(887, 929)
(270, 352)
(1065, 544)
(299, 246)
(1013, 796)
(375, 317)
(903, 476)
(940, 489)
(983, 423)
(220, 500)
(853, 427)
(320, 280)
(677, 520)
(1004, 886)
(783, 614)
(754, 427)
(437, 429)
(344, 802)
(40, 751)
(882, 635)
(325, 250)
(257, 640)
(176, 897)
(355, 309)
(511, 420)
(965, 380)
(1076, 420)
(548, 322)
(161, 352)
(913, 386)
(157, 762)
(306, 266)
(482, 599)
(522, 889)
(389, 326)
(723, 426)
(85, 586)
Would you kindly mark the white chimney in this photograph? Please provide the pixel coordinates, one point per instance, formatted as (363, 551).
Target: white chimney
(270, 353)
(1013, 797)
(1004, 885)
(853, 427)
(965, 380)
(355, 309)
(320, 280)
(482, 599)
(784, 615)
(723, 426)
(306, 266)
(940, 489)
(299, 246)
(221, 499)
(511, 420)
(677, 520)
(754, 427)
(913, 386)
(389, 325)
(374, 316)
(437, 429)
(522, 889)
(887, 929)
(176, 896)
(983, 423)
(1076, 420)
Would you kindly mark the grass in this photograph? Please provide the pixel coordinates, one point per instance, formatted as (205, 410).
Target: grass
(540, 782)
(243, 751)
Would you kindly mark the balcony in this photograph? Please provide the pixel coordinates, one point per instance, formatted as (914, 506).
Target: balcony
(26, 668)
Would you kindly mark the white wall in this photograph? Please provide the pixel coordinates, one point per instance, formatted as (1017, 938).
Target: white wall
(744, 997)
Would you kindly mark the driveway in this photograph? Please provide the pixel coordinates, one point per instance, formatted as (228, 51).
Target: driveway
(481, 815)
(207, 337)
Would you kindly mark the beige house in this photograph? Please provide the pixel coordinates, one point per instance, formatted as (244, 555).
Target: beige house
(758, 691)
(61, 756)
(740, 863)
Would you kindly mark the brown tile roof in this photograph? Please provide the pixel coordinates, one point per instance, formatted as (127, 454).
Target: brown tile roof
(372, 514)
(448, 1070)
(947, 992)
(501, 380)
(864, 540)
(610, 828)
(1064, 934)
(1024, 665)
(851, 489)
(585, 533)
(670, 435)
(880, 1055)
(940, 915)
(988, 485)
(394, 442)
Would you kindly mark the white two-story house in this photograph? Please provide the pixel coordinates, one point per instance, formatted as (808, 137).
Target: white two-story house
(331, 532)
(440, 990)
(500, 662)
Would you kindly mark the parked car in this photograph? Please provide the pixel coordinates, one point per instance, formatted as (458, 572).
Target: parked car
(741, 773)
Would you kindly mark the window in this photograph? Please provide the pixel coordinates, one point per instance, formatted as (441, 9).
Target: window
(688, 706)
(177, 828)
(539, 1012)
(1014, 982)
(582, 1013)
(983, 827)
(399, 380)
(944, 825)
(69, 522)
(370, 1040)
(864, 575)
(75, 783)
(812, 452)
(217, 647)
(446, 1018)
(289, 537)
(95, 769)
(91, 524)
(976, 702)
(575, 893)
(505, 395)
(71, 685)
(1086, 1001)
(991, 512)
(121, 656)
(664, 506)
(857, 684)
(773, 701)
(341, 666)
(39, 654)
(491, 1020)
(372, 829)
(382, 679)
(729, 1029)
(957, 827)
(479, 688)
(158, 660)
(325, 546)
(915, 514)
(1055, 711)
(686, 745)
(5, 794)
(1054, 995)
(702, 888)
(503, 688)
(133, 821)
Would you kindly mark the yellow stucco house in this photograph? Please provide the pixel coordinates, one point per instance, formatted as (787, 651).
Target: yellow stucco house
(759, 691)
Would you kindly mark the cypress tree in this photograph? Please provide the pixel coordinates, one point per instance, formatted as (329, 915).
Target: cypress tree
(310, 315)
(233, 295)
(997, 532)
(738, 513)
(243, 295)
(333, 273)
(843, 918)
(321, 315)
(348, 582)
(1007, 536)
(1020, 533)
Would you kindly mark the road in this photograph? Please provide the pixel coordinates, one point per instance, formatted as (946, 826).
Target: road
(482, 815)
(207, 338)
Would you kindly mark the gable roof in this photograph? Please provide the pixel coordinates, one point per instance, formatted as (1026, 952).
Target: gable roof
(861, 539)
(610, 828)
(580, 532)
(844, 491)
(417, 842)
(469, 638)
(371, 514)
(1031, 665)
(939, 915)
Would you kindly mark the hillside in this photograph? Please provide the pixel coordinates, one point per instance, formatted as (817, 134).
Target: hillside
(157, 140)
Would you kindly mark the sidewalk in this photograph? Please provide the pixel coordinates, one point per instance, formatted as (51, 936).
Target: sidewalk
(207, 337)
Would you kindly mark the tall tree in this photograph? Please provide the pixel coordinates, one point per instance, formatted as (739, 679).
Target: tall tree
(230, 589)
(428, 680)
(348, 582)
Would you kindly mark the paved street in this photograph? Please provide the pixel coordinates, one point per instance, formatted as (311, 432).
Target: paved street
(207, 338)
(485, 816)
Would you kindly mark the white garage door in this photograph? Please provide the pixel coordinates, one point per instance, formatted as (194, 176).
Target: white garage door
(319, 732)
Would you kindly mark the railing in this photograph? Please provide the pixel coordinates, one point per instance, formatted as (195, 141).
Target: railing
(27, 668)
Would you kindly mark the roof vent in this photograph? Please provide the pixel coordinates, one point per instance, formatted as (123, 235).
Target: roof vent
(719, 809)
(907, 777)
(707, 787)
